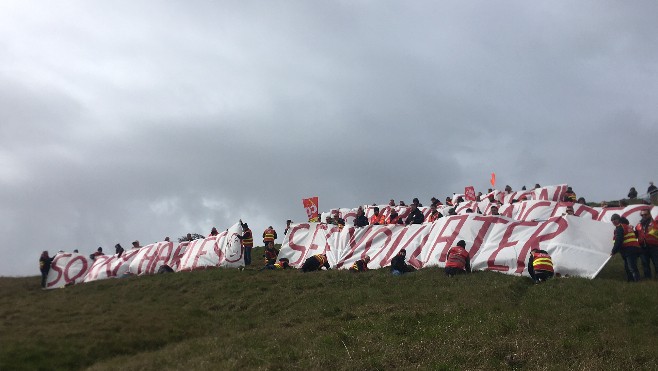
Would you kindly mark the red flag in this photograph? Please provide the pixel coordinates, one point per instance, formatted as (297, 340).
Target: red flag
(493, 179)
(311, 206)
(469, 193)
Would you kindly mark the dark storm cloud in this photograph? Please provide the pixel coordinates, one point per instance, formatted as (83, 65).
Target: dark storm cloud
(141, 120)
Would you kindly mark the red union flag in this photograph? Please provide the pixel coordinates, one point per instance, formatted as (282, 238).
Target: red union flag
(311, 206)
(469, 193)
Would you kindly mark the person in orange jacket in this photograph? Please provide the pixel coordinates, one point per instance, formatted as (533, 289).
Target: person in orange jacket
(647, 233)
(458, 260)
(540, 265)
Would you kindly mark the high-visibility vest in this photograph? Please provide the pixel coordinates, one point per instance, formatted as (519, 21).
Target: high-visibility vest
(457, 258)
(279, 265)
(248, 240)
(433, 217)
(630, 240)
(375, 219)
(541, 261)
(320, 258)
(571, 196)
(393, 220)
(355, 266)
(650, 236)
(268, 235)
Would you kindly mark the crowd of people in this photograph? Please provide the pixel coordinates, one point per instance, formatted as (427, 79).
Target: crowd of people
(633, 243)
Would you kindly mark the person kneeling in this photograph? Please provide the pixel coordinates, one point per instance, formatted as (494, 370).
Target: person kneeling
(360, 265)
(399, 266)
(315, 263)
(540, 265)
(458, 260)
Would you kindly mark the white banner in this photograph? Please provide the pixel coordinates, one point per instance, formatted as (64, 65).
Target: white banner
(151, 257)
(579, 246)
(67, 269)
(223, 250)
(111, 266)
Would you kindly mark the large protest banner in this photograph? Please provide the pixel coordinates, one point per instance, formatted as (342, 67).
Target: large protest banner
(223, 250)
(111, 266)
(579, 246)
(67, 269)
(151, 257)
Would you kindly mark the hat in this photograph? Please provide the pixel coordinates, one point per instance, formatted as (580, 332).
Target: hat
(461, 243)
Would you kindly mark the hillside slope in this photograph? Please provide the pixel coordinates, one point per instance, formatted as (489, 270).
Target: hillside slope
(230, 319)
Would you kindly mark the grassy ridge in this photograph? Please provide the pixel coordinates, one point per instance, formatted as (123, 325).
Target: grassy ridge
(228, 319)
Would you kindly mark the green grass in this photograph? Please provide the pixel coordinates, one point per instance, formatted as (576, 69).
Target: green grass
(230, 319)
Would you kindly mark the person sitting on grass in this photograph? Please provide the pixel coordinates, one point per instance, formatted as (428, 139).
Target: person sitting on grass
(399, 266)
(283, 263)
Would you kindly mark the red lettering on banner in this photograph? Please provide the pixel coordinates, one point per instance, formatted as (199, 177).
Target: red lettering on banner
(162, 256)
(174, 259)
(586, 209)
(505, 242)
(449, 240)
(412, 259)
(67, 278)
(635, 209)
(148, 254)
(531, 208)
(609, 210)
(368, 237)
(217, 248)
(293, 245)
(55, 267)
(537, 238)
(486, 225)
(202, 251)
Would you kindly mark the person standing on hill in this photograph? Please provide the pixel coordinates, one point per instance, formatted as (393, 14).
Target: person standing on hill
(247, 241)
(44, 266)
(626, 243)
(315, 263)
(398, 264)
(540, 265)
(458, 260)
(647, 233)
(570, 195)
(118, 250)
(269, 235)
(632, 194)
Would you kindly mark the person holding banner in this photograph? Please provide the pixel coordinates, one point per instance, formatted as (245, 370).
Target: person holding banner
(458, 260)
(540, 265)
(626, 243)
(394, 218)
(247, 241)
(376, 219)
(360, 265)
(399, 266)
(44, 266)
(647, 233)
(434, 214)
(360, 220)
(269, 235)
(315, 263)
(415, 216)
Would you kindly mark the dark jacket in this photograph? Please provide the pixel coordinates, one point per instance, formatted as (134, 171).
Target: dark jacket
(398, 264)
(415, 217)
(361, 221)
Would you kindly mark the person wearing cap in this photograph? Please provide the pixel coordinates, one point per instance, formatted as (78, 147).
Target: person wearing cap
(398, 264)
(415, 216)
(540, 265)
(627, 244)
(247, 242)
(315, 263)
(360, 265)
(269, 235)
(647, 234)
(494, 210)
(458, 260)
(98, 252)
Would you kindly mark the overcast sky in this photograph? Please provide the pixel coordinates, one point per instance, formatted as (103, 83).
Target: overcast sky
(125, 120)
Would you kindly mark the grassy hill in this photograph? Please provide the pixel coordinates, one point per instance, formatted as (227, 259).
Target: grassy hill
(230, 319)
